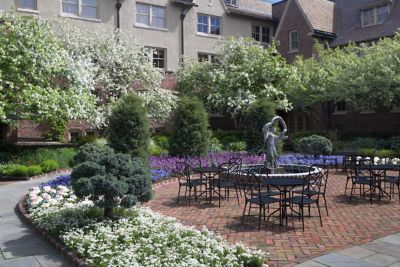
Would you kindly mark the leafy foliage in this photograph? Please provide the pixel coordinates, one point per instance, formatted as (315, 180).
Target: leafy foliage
(49, 165)
(129, 127)
(314, 145)
(190, 134)
(39, 80)
(110, 179)
(244, 72)
(259, 113)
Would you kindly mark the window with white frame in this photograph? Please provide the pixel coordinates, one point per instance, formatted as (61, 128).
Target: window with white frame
(158, 56)
(293, 41)
(81, 8)
(375, 15)
(151, 16)
(205, 57)
(209, 24)
(261, 33)
(231, 2)
(27, 4)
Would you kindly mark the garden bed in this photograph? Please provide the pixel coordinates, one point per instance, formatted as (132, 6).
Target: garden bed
(134, 236)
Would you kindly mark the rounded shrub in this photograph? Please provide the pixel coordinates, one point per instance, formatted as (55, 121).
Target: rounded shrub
(87, 139)
(49, 165)
(161, 141)
(314, 145)
(129, 127)
(190, 134)
(34, 170)
(259, 113)
(18, 171)
(91, 152)
(112, 179)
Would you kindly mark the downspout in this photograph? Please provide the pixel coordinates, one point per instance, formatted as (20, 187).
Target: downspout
(183, 15)
(118, 5)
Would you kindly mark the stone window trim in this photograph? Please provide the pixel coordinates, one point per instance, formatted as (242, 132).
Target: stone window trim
(151, 16)
(293, 41)
(374, 17)
(81, 5)
(27, 6)
(234, 3)
(211, 25)
(260, 33)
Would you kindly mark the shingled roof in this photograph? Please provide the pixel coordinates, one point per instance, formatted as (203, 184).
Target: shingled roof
(320, 14)
(349, 21)
(254, 8)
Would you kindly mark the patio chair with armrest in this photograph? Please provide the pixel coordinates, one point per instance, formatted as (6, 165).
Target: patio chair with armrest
(393, 181)
(360, 176)
(227, 179)
(186, 180)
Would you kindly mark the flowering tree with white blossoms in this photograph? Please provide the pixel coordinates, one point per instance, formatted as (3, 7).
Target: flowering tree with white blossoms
(243, 72)
(39, 80)
(121, 65)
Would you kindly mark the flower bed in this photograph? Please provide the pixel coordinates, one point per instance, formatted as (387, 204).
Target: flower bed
(135, 237)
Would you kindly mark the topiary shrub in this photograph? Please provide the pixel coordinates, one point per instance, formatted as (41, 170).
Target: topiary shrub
(129, 127)
(314, 145)
(190, 134)
(111, 179)
(259, 113)
(91, 152)
(34, 170)
(49, 165)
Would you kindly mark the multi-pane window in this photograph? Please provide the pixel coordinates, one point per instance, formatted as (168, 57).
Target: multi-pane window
(204, 57)
(209, 24)
(231, 2)
(260, 33)
(340, 106)
(81, 8)
(27, 4)
(158, 57)
(151, 16)
(375, 15)
(293, 41)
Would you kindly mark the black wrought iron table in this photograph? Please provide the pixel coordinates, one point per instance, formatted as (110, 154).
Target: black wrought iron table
(208, 173)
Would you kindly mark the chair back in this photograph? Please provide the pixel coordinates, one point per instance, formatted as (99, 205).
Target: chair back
(363, 167)
(183, 171)
(194, 162)
(229, 171)
(313, 183)
(252, 186)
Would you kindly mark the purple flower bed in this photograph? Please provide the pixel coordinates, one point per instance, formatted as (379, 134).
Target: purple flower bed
(162, 167)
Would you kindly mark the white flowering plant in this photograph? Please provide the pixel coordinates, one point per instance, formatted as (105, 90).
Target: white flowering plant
(134, 237)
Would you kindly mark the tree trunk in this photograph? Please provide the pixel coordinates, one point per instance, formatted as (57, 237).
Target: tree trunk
(108, 212)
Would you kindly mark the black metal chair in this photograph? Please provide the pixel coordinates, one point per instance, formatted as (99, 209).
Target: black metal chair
(228, 178)
(360, 176)
(313, 184)
(254, 195)
(185, 180)
(393, 181)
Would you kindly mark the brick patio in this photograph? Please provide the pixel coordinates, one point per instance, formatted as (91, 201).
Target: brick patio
(348, 224)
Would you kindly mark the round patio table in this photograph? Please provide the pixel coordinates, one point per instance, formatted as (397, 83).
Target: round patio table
(208, 173)
(377, 172)
(284, 185)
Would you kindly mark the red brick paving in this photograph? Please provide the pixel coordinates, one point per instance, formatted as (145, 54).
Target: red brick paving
(348, 223)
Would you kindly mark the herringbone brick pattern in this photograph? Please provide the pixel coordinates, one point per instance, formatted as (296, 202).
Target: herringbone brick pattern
(348, 223)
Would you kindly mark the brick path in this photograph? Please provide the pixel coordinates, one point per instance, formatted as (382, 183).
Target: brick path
(348, 224)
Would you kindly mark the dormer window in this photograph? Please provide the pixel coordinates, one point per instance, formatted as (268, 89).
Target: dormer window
(232, 2)
(375, 15)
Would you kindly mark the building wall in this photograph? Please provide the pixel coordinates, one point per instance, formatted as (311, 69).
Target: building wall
(293, 19)
(170, 38)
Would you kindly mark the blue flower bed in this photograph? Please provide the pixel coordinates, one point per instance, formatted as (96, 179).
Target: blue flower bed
(60, 180)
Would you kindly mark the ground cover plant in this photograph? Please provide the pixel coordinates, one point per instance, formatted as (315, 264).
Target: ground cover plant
(134, 237)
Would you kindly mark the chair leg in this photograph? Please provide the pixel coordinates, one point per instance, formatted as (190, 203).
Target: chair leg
(244, 211)
(351, 191)
(219, 197)
(326, 204)
(259, 217)
(179, 192)
(345, 189)
(319, 213)
(302, 216)
(237, 195)
(190, 194)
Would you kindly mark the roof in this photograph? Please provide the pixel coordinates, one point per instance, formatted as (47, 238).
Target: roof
(253, 8)
(349, 21)
(278, 9)
(320, 13)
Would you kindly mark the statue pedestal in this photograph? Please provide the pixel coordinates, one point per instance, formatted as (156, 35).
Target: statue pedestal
(278, 170)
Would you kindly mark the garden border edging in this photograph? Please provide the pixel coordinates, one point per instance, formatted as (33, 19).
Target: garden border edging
(44, 175)
(71, 256)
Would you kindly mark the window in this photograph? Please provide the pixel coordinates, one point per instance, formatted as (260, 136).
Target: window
(204, 57)
(340, 107)
(208, 24)
(27, 4)
(158, 57)
(74, 136)
(231, 2)
(375, 15)
(293, 41)
(151, 16)
(260, 33)
(81, 8)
